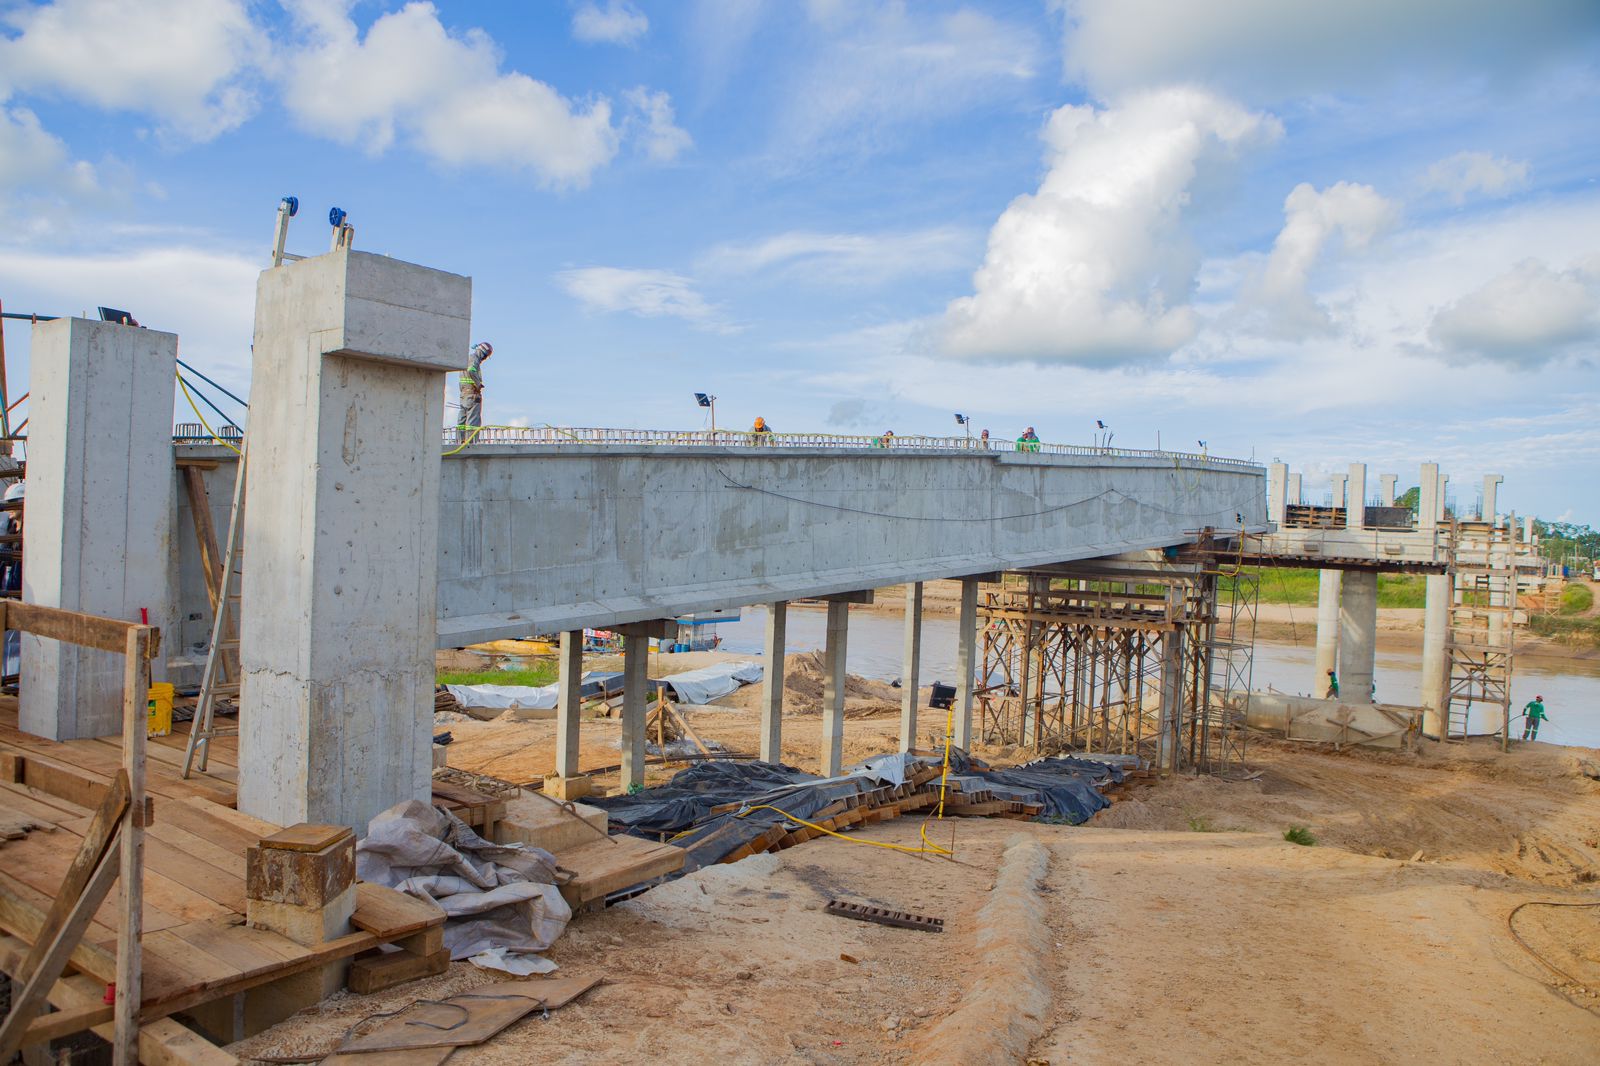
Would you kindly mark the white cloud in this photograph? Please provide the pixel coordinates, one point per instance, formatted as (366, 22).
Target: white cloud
(1311, 218)
(647, 293)
(443, 93)
(1525, 317)
(181, 61)
(1270, 49)
(846, 258)
(616, 22)
(663, 140)
(1093, 267)
(880, 69)
(1466, 173)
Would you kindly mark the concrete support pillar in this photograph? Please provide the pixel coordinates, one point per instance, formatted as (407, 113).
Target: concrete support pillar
(1327, 629)
(966, 661)
(1172, 689)
(772, 674)
(341, 566)
(910, 671)
(1386, 483)
(100, 507)
(1527, 530)
(569, 702)
(1293, 492)
(1436, 654)
(635, 700)
(1355, 515)
(1337, 498)
(1439, 497)
(1491, 495)
(1358, 634)
(1428, 507)
(1277, 489)
(833, 666)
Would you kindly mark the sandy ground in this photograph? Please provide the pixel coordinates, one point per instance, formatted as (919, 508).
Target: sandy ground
(1180, 927)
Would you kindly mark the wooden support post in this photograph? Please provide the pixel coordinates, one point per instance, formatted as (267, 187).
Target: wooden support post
(135, 720)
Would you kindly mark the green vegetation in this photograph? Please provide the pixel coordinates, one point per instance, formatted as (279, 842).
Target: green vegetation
(1580, 632)
(1299, 834)
(1576, 599)
(1299, 587)
(1566, 542)
(1201, 823)
(539, 674)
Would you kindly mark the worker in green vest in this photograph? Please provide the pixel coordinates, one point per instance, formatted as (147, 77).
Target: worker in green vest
(1532, 715)
(1333, 686)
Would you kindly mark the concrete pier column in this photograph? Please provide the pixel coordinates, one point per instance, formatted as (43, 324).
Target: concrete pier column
(1355, 515)
(100, 506)
(1292, 493)
(966, 661)
(833, 679)
(910, 676)
(1435, 654)
(1491, 496)
(1428, 498)
(1439, 497)
(1327, 629)
(1358, 634)
(569, 703)
(1337, 497)
(772, 674)
(1386, 485)
(1277, 488)
(341, 534)
(1171, 712)
(635, 701)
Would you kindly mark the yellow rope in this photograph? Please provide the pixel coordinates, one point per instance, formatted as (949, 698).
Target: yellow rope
(926, 849)
(202, 418)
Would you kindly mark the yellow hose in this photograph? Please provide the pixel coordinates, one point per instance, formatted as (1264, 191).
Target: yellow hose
(202, 418)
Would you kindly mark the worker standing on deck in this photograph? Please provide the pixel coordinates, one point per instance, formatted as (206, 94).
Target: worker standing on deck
(1029, 441)
(1333, 686)
(1532, 715)
(472, 387)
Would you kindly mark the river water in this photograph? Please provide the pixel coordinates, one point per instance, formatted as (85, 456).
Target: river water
(1571, 688)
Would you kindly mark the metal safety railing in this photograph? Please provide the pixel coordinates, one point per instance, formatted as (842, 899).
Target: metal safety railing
(456, 439)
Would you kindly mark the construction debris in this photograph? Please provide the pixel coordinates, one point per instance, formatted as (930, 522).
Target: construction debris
(899, 919)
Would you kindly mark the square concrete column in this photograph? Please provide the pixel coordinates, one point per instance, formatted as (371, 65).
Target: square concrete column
(1277, 489)
(966, 661)
(1491, 496)
(341, 535)
(1328, 583)
(569, 702)
(1355, 514)
(635, 682)
(100, 507)
(1358, 634)
(772, 678)
(1435, 654)
(833, 682)
(1386, 485)
(910, 677)
(1439, 497)
(1292, 494)
(1337, 497)
(1170, 715)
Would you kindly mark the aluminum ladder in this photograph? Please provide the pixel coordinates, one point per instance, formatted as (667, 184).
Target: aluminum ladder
(204, 727)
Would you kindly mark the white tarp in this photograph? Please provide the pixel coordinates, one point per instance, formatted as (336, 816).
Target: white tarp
(712, 682)
(494, 895)
(505, 697)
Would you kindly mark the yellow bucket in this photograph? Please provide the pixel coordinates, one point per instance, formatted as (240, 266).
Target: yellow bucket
(160, 709)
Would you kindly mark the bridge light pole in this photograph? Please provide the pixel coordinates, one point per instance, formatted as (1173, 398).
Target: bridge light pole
(705, 399)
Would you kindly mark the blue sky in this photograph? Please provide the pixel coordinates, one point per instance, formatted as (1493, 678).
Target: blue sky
(1322, 232)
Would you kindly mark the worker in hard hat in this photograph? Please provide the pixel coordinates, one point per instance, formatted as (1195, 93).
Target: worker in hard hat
(472, 387)
(1029, 441)
(761, 432)
(1532, 715)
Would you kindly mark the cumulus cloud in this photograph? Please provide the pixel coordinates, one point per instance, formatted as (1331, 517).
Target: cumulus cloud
(846, 258)
(881, 68)
(1093, 267)
(184, 62)
(1525, 317)
(1269, 49)
(443, 93)
(1465, 174)
(662, 139)
(614, 22)
(647, 293)
(1311, 219)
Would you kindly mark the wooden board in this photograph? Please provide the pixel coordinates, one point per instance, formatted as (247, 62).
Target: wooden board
(390, 915)
(607, 866)
(306, 837)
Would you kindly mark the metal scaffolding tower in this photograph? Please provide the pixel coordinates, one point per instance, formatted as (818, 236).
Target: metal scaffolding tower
(1482, 621)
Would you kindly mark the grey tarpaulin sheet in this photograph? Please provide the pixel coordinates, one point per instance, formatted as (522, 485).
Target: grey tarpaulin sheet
(494, 895)
(593, 684)
(711, 682)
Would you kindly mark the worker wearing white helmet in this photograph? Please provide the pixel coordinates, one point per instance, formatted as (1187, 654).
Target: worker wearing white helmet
(472, 387)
